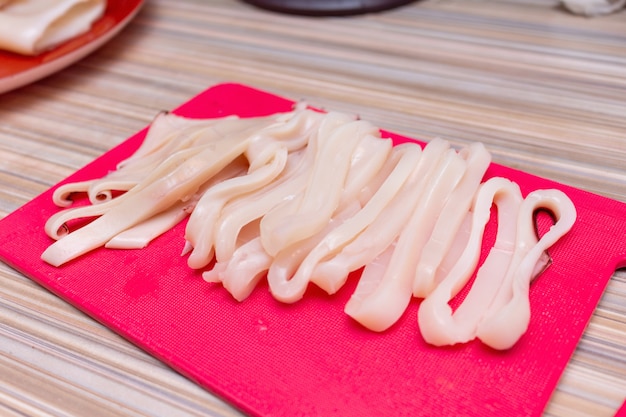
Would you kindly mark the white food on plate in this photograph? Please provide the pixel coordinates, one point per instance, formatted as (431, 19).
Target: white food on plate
(30, 27)
(307, 198)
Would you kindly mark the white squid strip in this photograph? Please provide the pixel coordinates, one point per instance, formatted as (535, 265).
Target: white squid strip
(268, 156)
(102, 191)
(331, 273)
(381, 308)
(155, 197)
(55, 225)
(367, 160)
(438, 324)
(169, 133)
(243, 210)
(456, 249)
(509, 315)
(450, 218)
(286, 287)
(307, 214)
(143, 162)
(98, 191)
(243, 271)
(200, 228)
(141, 235)
(292, 131)
(402, 161)
(61, 195)
(369, 287)
(164, 126)
(365, 194)
(183, 135)
(235, 169)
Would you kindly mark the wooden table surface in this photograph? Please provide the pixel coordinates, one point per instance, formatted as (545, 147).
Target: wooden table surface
(544, 89)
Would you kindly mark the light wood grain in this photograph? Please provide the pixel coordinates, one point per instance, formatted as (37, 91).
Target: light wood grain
(545, 90)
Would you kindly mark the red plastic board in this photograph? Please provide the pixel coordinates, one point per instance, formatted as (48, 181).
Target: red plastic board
(309, 358)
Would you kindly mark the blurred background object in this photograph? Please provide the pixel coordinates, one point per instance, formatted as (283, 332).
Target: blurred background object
(593, 7)
(328, 7)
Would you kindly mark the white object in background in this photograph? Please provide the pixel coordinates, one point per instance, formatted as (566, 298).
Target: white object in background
(30, 27)
(593, 7)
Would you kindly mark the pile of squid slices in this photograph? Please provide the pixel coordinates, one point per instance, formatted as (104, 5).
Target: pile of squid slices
(305, 197)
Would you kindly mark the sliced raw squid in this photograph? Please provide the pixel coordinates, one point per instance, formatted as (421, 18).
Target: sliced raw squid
(245, 209)
(142, 234)
(30, 27)
(284, 285)
(451, 218)
(308, 197)
(509, 314)
(402, 162)
(242, 272)
(276, 144)
(135, 207)
(381, 308)
(307, 214)
(200, 228)
(437, 323)
(332, 273)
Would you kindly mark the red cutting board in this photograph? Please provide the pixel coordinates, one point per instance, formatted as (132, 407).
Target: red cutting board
(309, 358)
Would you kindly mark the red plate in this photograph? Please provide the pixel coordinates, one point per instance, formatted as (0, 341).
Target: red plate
(18, 70)
(309, 358)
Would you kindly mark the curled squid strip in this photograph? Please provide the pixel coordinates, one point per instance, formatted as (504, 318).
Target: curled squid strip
(98, 191)
(242, 272)
(101, 191)
(56, 225)
(509, 315)
(61, 196)
(437, 323)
